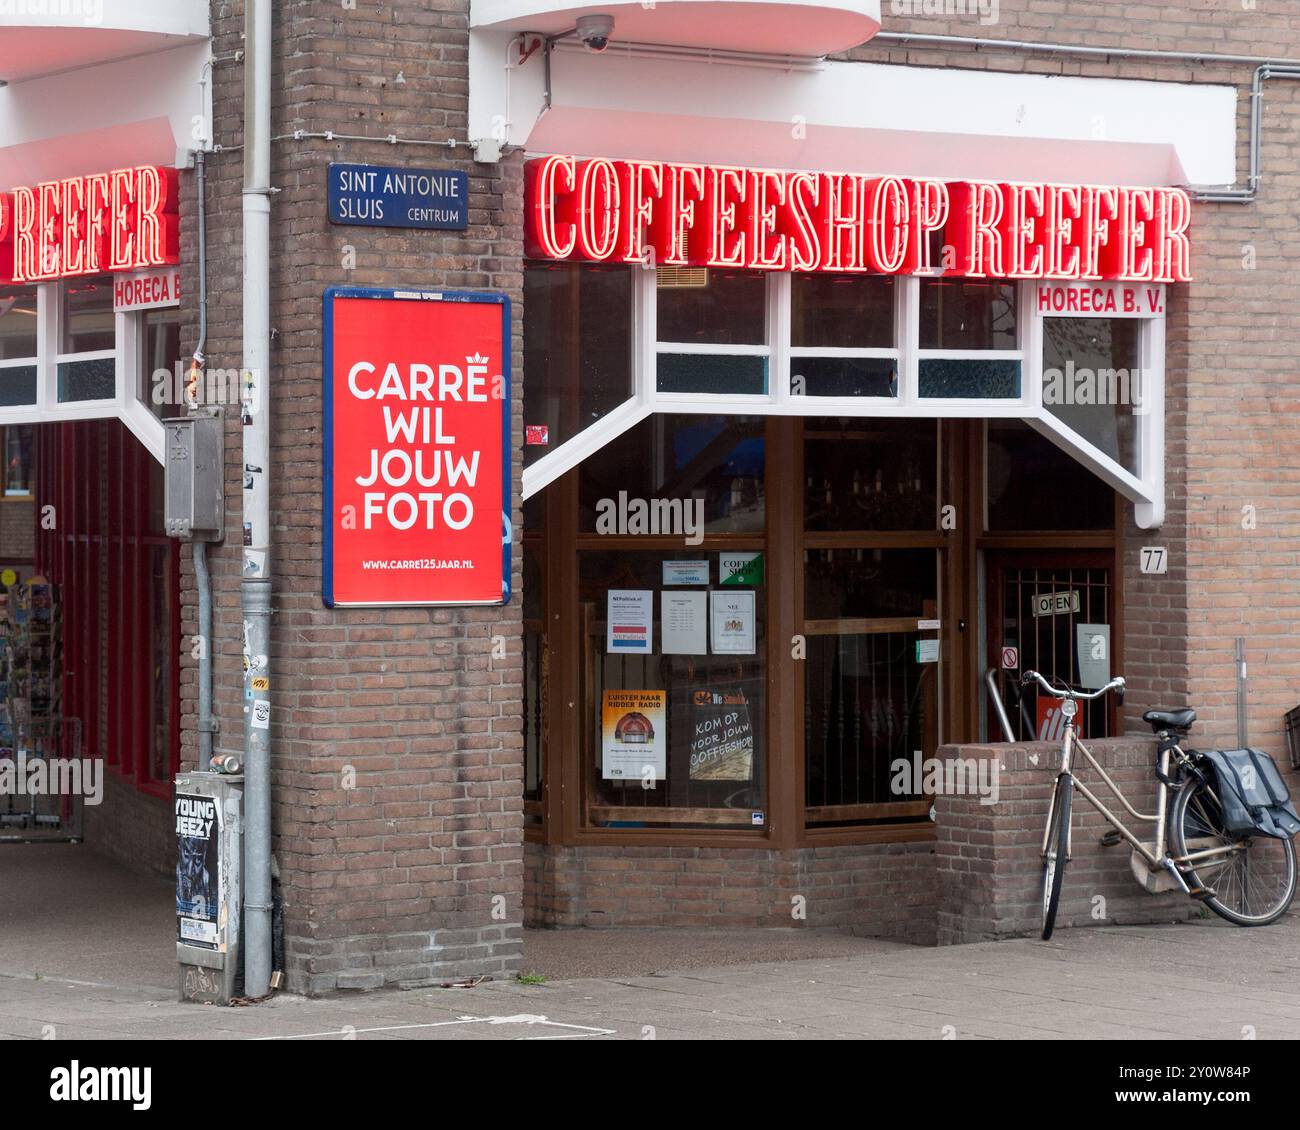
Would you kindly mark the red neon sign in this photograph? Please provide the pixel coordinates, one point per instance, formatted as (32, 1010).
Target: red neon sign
(108, 222)
(722, 216)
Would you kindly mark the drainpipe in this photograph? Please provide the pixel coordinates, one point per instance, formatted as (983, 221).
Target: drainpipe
(198, 546)
(255, 583)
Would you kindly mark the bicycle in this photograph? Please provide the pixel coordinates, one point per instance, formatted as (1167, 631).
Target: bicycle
(1254, 877)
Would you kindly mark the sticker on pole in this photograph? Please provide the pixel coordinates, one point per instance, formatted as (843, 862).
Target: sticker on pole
(417, 447)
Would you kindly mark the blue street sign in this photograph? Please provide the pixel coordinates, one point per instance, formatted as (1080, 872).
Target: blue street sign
(385, 197)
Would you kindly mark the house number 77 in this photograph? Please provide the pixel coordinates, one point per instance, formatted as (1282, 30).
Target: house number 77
(1154, 559)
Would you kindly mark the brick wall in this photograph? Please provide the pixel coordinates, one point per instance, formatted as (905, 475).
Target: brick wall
(990, 876)
(132, 828)
(884, 890)
(417, 871)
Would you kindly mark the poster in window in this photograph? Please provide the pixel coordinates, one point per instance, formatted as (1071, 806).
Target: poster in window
(416, 448)
(733, 622)
(685, 619)
(633, 735)
(722, 737)
(630, 618)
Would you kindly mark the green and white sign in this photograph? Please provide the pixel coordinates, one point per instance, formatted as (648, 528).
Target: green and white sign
(744, 569)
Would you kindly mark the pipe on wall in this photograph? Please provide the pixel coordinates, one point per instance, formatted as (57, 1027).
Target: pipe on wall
(1265, 69)
(255, 573)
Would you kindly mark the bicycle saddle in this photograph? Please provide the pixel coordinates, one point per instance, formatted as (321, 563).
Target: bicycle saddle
(1170, 719)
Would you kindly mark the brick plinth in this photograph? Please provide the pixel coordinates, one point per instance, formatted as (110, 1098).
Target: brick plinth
(988, 855)
(882, 890)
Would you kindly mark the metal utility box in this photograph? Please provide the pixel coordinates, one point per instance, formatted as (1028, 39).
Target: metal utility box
(196, 505)
(209, 810)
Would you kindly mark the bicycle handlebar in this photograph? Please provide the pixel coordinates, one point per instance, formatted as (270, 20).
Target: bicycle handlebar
(1116, 684)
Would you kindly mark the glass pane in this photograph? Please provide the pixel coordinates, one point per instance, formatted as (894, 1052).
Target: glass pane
(18, 459)
(967, 314)
(987, 380)
(88, 315)
(17, 322)
(1092, 382)
(87, 380)
(18, 386)
(533, 513)
(1050, 644)
(712, 373)
(577, 350)
(159, 357)
(843, 376)
(842, 311)
(703, 721)
(869, 700)
(161, 664)
(864, 474)
(730, 308)
(534, 724)
(532, 579)
(714, 464)
(868, 583)
(866, 701)
(1034, 485)
(535, 672)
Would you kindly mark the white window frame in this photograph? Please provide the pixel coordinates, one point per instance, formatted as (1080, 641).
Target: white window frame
(125, 403)
(1145, 489)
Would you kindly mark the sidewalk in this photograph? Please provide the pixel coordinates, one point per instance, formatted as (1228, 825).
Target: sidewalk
(1202, 980)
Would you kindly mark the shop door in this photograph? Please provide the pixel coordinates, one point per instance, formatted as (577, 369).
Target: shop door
(1053, 613)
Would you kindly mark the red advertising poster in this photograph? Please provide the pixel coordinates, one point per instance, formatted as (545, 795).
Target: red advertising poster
(417, 447)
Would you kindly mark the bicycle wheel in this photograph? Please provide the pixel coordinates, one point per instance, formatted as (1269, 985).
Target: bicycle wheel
(1253, 878)
(1058, 844)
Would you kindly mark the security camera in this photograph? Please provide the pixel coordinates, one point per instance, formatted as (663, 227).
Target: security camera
(594, 31)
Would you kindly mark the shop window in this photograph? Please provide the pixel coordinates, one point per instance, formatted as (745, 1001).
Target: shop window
(87, 339)
(536, 677)
(160, 350)
(16, 441)
(870, 474)
(577, 350)
(1034, 485)
(1093, 382)
(945, 377)
(18, 346)
(712, 332)
(870, 683)
(842, 339)
(164, 680)
(674, 669)
(119, 575)
(862, 583)
(968, 315)
(670, 470)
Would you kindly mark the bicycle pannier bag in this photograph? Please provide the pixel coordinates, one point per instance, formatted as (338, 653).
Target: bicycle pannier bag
(1254, 797)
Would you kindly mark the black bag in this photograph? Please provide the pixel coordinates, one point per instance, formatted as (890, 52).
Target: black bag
(1254, 798)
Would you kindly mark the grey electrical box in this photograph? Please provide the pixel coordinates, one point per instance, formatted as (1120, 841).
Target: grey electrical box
(196, 505)
(209, 810)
